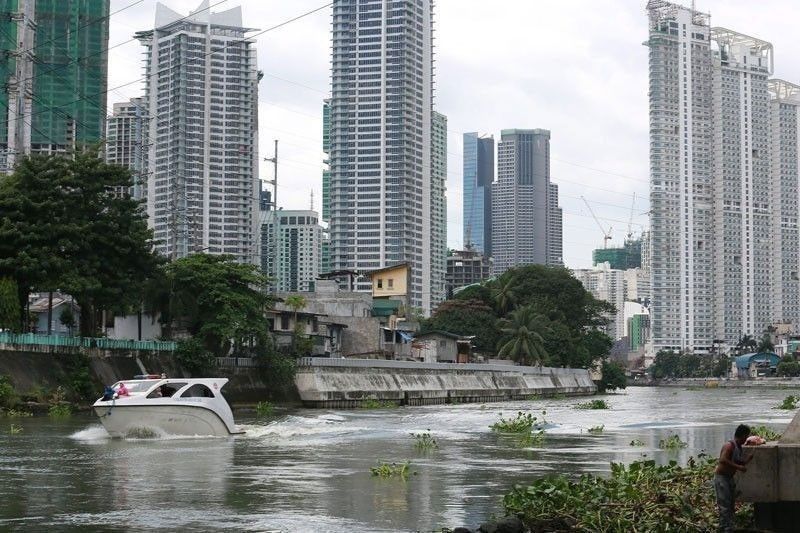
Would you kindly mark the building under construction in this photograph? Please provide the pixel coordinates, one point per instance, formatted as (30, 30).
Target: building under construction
(629, 256)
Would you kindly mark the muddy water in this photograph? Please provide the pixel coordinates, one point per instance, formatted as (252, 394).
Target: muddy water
(308, 470)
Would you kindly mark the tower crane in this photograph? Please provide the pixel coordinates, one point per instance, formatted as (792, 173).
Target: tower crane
(629, 236)
(606, 234)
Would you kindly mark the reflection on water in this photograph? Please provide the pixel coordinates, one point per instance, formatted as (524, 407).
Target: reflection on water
(309, 470)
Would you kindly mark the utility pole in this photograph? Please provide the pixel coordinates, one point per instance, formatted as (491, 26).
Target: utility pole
(275, 220)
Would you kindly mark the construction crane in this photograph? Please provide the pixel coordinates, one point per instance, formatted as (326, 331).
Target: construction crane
(606, 234)
(629, 236)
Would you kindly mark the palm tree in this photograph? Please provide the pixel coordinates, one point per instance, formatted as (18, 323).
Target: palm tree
(523, 336)
(766, 344)
(503, 294)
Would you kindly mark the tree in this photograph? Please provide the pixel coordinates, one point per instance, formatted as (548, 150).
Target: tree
(295, 302)
(746, 344)
(523, 336)
(67, 318)
(467, 318)
(788, 367)
(10, 312)
(503, 294)
(216, 300)
(766, 344)
(665, 365)
(66, 223)
(613, 377)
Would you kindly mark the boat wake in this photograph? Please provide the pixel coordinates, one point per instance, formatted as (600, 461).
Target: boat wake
(324, 427)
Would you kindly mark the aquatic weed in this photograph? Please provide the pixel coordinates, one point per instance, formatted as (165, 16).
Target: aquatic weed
(264, 409)
(388, 470)
(15, 429)
(61, 410)
(673, 442)
(17, 413)
(790, 402)
(596, 429)
(594, 404)
(766, 433)
(424, 441)
(637, 442)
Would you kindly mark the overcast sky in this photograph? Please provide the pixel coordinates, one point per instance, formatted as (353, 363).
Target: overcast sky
(575, 67)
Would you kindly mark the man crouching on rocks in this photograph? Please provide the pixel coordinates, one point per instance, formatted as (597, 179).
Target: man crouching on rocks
(731, 460)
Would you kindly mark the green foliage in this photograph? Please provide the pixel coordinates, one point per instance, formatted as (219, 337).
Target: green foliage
(594, 404)
(596, 429)
(613, 377)
(788, 367)
(369, 403)
(765, 344)
(523, 336)
(79, 378)
(790, 402)
(61, 410)
(302, 344)
(669, 364)
(264, 409)
(8, 396)
(193, 356)
(525, 426)
(424, 441)
(466, 317)
(15, 429)
(295, 302)
(388, 470)
(67, 318)
(673, 442)
(218, 301)
(10, 309)
(766, 433)
(643, 496)
(637, 442)
(65, 226)
(17, 413)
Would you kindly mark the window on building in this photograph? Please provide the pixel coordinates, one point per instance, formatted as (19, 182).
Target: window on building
(380, 283)
(284, 321)
(390, 282)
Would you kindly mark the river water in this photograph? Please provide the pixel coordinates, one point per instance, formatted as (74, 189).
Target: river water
(308, 470)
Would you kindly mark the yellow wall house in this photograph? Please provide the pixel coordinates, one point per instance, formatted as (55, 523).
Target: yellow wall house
(391, 281)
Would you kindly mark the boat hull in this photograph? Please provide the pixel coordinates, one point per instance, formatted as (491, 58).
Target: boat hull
(158, 420)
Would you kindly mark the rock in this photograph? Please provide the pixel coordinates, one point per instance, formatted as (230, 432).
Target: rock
(509, 524)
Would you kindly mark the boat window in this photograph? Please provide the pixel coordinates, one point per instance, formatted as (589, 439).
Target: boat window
(135, 386)
(166, 390)
(197, 390)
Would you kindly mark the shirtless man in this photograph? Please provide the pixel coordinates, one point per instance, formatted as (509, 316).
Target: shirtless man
(731, 460)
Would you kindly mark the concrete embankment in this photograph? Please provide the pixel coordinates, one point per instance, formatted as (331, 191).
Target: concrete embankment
(350, 382)
(755, 383)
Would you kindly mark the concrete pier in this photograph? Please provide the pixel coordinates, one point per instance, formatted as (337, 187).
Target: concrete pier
(771, 481)
(323, 382)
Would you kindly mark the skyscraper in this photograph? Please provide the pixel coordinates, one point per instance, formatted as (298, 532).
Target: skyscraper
(526, 219)
(202, 95)
(298, 252)
(126, 142)
(438, 208)
(381, 127)
(711, 189)
(326, 186)
(55, 76)
(478, 178)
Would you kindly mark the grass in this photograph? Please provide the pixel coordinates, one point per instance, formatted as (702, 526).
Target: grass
(766, 433)
(594, 404)
(389, 470)
(673, 442)
(264, 409)
(17, 413)
(60, 410)
(790, 402)
(377, 404)
(596, 430)
(637, 442)
(424, 441)
(15, 429)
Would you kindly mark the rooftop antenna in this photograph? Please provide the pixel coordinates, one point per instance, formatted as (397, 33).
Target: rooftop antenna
(312, 199)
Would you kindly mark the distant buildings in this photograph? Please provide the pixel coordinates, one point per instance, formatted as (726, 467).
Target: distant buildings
(126, 142)
(526, 220)
(202, 99)
(465, 267)
(608, 285)
(55, 76)
(299, 249)
(382, 129)
(478, 177)
(629, 256)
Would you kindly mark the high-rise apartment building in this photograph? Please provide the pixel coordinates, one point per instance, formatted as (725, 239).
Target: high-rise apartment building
(465, 267)
(477, 205)
(299, 249)
(126, 142)
(326, 186)
(54, 75)
(711, 250)
(526, 219)
(201, 93)
(438, 208)
(380, 135)
(607, 284)
(784, 154)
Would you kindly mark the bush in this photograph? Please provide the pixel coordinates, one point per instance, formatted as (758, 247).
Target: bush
(264, 409)
(8, 396)
(765, 433)
(788, 368)
(613, 377)
(61, 410)
(641, 497)
(194, 357)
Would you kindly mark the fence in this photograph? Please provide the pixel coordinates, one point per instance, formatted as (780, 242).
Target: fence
(85, 342)
(232, 362)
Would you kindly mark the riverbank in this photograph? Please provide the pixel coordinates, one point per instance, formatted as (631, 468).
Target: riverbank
(724, 383)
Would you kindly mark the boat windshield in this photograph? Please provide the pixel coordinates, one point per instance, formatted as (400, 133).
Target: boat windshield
(137, 386)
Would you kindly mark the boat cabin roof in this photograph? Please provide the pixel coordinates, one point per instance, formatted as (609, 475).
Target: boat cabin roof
(167, 387)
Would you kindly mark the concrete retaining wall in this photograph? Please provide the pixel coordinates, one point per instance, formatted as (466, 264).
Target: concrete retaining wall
(350, 382)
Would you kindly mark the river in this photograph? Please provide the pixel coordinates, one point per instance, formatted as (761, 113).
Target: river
(308, 470)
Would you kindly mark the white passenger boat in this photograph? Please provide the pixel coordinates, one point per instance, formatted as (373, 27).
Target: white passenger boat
(154, 406)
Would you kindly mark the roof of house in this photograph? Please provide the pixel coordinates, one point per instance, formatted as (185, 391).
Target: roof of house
(444, 334)
(387, 267)
(40, 305)
(743, 361)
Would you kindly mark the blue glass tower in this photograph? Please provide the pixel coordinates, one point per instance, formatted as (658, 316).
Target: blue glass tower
(478, 178)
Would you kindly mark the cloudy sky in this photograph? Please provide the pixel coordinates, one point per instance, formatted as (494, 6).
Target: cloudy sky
(575, 67)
